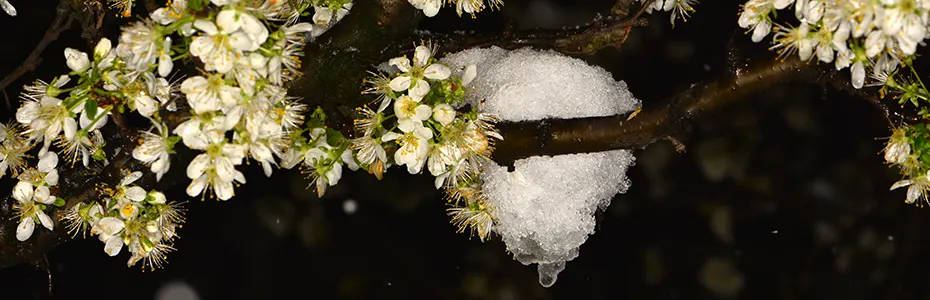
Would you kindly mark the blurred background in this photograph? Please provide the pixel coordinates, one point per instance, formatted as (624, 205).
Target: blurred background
(781, 196)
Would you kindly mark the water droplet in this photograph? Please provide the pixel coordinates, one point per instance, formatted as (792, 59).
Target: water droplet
(549, 273)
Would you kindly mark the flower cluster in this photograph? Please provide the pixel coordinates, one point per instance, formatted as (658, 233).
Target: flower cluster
(429, 126)
(13, 149)
(246, 51)
(33, 196)
(321, 153)
(128, 215)
(905, 149)
(857, 34)
(431, 7)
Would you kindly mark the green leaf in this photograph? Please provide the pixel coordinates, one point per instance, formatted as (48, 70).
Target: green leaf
(59, 202)
(91, 108)
(196, 5)
(334, 137)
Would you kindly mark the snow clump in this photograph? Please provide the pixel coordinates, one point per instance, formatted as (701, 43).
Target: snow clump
(545, 208)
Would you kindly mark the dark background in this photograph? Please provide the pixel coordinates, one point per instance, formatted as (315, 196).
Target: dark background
(781, 196)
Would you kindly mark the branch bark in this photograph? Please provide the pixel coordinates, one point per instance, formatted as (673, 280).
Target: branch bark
(62, 22)
(564, 136)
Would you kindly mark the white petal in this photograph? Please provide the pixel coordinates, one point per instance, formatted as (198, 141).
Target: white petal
(432, 7)
(322, 15)
(913, 193)
(422, 112)
(421, 56)
(146, 106)
(136, 193)
(206, 26)
(224, 169)
(197, 186)
(299, 27)
(437, 71)
(419, 90)
(425, 134)
(45, 220)
(858, 74)
(901, 183)
(470, 72)
(113, 246)
(400, 83)
(761, 30)
(223, 190)
(349, 159)
(102, 49)
(254, 28)
(226, 21)
(43, 195)
(23, 191)
(390, 136)
(197, 166)
(25, 228)
(407, 125)
(334, 174)
(76, 60)
(48, 162)
(132, 177)
(158, 197)
(165, 64)
(52, 177)
(111, 225)
(70, 127)
(10, 10)
(242, 41)
(402, 63)
(202, 46)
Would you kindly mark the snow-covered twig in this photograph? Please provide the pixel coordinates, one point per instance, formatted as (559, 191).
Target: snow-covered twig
(674, 118)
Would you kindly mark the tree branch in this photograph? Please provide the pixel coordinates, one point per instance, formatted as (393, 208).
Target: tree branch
(581, 135)
(335, 65)
(62, 22)
(609, 32)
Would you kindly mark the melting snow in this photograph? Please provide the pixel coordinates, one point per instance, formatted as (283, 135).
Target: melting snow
(545, 207)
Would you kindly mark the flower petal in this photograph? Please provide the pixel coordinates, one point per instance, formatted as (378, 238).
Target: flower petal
(24, 229)
(437, 71)
(45, 220)
(136, 193)
(401, 83)
(470, 72)
(23, 191)
(113, 246)
(48, 162)
(132, 177)
(111, 225)
(422, 54)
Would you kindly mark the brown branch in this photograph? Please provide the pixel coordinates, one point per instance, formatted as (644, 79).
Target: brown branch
(62, 21)
(610, 32)
(565, 136)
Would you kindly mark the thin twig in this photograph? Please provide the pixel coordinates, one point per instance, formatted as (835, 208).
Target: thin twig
(588, 39)
(63, 18)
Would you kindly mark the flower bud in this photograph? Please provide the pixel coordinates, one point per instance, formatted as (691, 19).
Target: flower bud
(76, 60)
(102, 49)
(444, 114)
